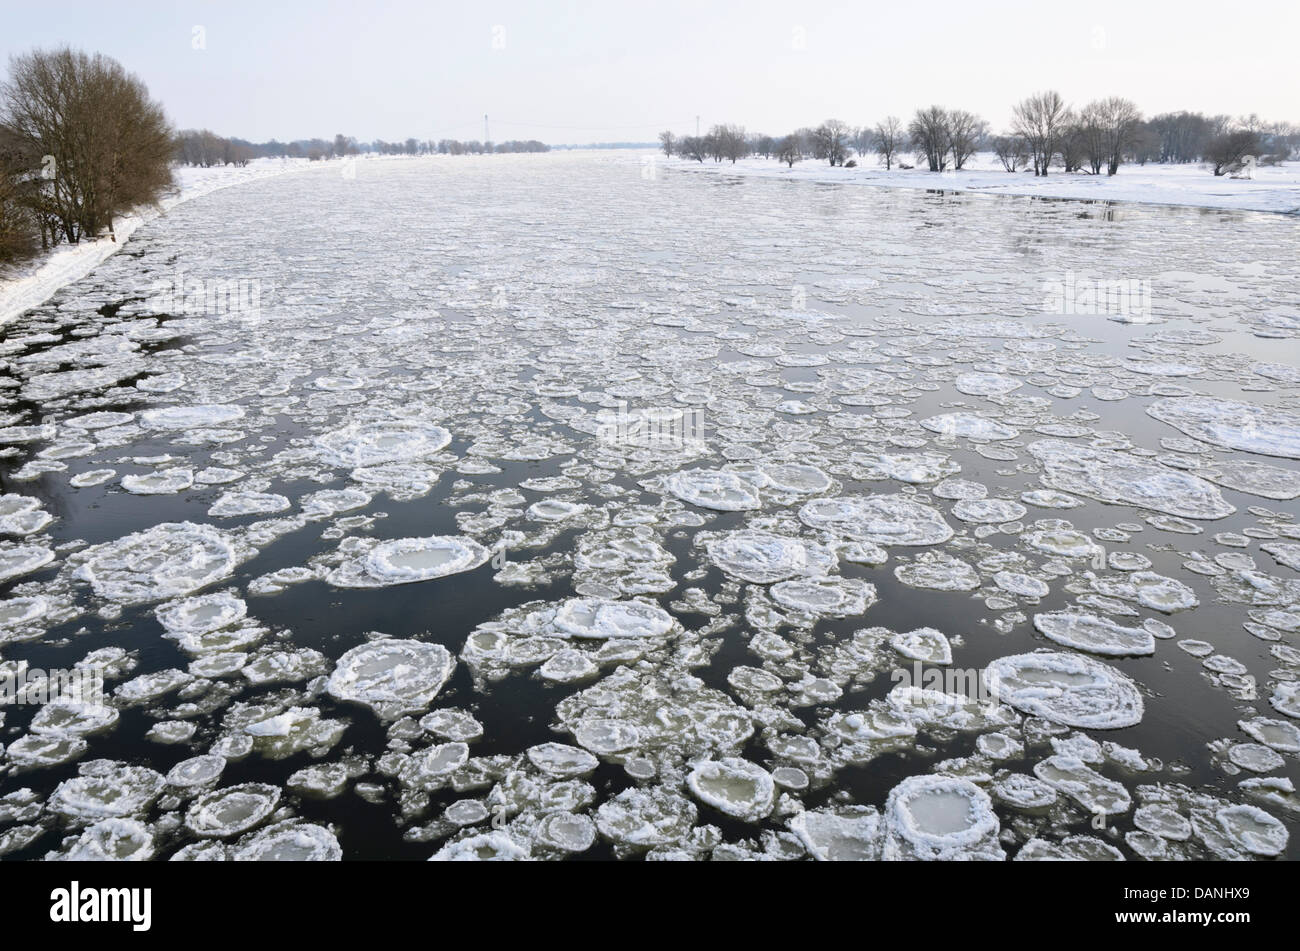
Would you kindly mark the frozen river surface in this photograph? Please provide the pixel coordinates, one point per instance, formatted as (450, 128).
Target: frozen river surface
(568, 506)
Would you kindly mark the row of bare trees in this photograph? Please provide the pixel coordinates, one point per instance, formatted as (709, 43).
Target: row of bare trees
(204, 148)
(1045, 133)
(81, 143)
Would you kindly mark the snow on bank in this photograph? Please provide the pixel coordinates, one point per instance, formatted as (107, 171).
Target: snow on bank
(1274, 189)
(34, 282)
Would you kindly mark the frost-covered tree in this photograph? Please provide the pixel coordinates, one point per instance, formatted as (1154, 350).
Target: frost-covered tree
(668, 142)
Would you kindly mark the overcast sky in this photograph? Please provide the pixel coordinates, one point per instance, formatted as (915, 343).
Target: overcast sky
(614, 70)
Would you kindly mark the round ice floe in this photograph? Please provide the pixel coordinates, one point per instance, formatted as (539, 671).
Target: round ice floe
(940, 817)
(713, 489)
(1073, 777)
(165, 482)
(232, 810)
(734, 786)
(1162, 820)
(1256, 757)
(16, 612)
(430, 768)
(84, 480)
(197, 771)
(762, 557)
(392, 677)
(567, 666)
(371, 444)
(191, 417)
(796, 477)
(404, 560)
(832, 837)
(554, 510)
(485, 847)
(924, 644)
(1286, 698)
(76, 717)
(1233, 424)
(939, 572)
(833, 597)
(168, 560)
(1253, 830)
(22, 515)
(23, 559)
(986, 384)
(566, 832)
(1095, 634)
(234, 504)
(1066, 688)
(988, 511)
(201, 615)
(969, 426)
(1024, 792)
(645, 818)
(600, 619)
(1253, 478)
(38, 750)
(1018, 583)
(1118, 477)
(562, 761)
(113, 840)
(1277, 734)
(290, 842)
(106, 789)
(881, 519)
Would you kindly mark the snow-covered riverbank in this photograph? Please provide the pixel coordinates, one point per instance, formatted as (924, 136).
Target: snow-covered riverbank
(1275, 189)
(34, 282)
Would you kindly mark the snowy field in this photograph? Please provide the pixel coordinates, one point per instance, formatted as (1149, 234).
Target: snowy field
(1275, 188)
(536, 507)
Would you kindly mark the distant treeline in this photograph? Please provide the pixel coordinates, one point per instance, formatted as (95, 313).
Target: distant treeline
(1045, 133)
(204, 148)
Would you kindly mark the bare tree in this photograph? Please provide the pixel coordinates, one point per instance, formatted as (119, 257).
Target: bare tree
(788, 150)
(19, 228)
(693, 147)
(108, 143)
(833, 141)
(930, 137)
(1011, 151)
(732, 143)
(966, 131)
(889, 140)
(668, 142)
(1118, 122)
(1040, 120)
